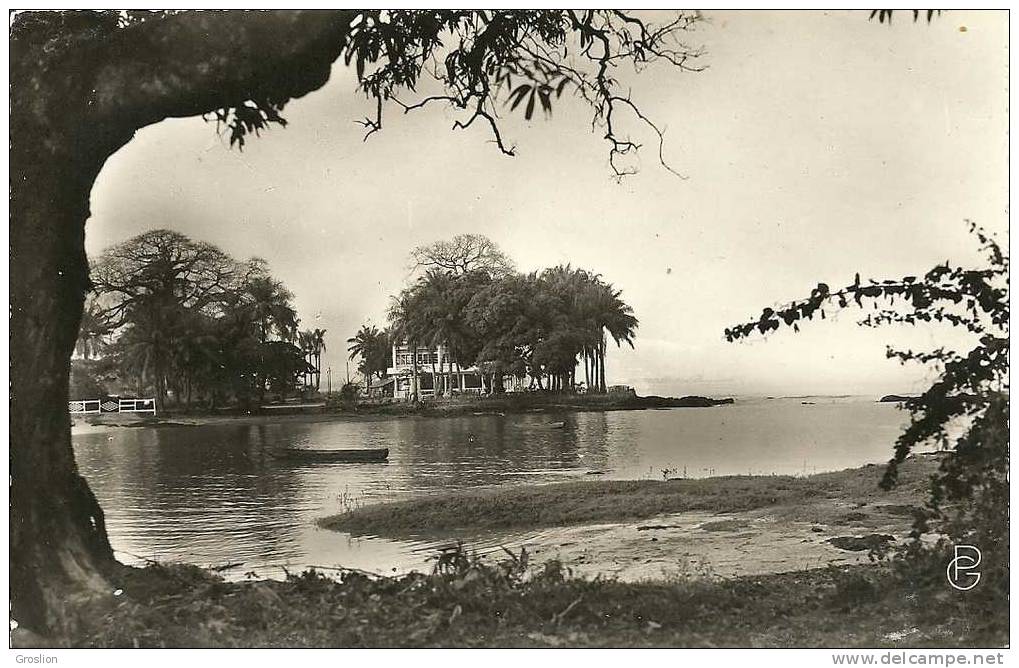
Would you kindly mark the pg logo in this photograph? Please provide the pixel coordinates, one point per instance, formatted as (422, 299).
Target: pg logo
(962, 573)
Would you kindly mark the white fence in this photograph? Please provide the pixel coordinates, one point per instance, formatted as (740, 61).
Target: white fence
(112, 406)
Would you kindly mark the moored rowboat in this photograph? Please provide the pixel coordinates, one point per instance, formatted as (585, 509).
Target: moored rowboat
(356, 455)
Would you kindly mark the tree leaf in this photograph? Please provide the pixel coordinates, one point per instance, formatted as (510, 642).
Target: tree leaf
(518, 95)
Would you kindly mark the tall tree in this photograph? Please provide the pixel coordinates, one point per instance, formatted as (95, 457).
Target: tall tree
(371, 347)
(268, 303)
(615, 317)
(82, 83)
(318, 343)
(306, 342)
(463, 254)
(146, 285)
(406, 323)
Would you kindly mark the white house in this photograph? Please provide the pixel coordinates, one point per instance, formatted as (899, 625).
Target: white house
(433, 366)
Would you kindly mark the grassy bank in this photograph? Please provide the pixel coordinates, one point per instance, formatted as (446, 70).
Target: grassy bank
(564, 504)
(498, 606)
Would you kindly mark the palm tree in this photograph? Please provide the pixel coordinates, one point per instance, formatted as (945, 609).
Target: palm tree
(363, 345)
(318, 347)
(306, 342)
(614, 316)
(405, 323)
(439, 319)
(271, 310)
(589, 308)
(146, 348)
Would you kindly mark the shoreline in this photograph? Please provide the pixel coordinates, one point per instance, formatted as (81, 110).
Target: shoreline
(636, 531)
(501, 405)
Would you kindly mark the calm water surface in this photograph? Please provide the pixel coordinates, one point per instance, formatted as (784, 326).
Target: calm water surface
(214, 495)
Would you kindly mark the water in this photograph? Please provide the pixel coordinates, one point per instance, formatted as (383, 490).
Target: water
(214, 495)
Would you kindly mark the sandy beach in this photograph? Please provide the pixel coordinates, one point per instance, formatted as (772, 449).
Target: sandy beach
(785, 523)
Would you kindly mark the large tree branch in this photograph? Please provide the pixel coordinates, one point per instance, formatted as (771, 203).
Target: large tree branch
(199, 62)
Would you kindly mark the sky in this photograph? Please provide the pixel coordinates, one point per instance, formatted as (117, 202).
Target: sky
(813, 145)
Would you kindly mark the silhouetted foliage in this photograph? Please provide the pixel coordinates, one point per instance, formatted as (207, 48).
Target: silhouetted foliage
(969, 494)
(475, 60)
(87, 380)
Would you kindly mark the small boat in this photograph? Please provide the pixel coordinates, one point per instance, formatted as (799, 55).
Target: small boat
(353, 455)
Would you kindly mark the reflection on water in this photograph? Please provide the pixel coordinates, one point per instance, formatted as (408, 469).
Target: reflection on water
(215, 494)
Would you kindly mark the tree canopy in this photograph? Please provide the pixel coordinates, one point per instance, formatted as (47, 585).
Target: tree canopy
(473, 61)
(182, 315)
(463, 254)
(539, 325)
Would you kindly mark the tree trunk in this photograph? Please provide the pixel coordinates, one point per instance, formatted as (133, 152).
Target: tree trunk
(414, 372)
(59, 552)
(76, 98)
(447, 386)
(442, 372)
(601, 365)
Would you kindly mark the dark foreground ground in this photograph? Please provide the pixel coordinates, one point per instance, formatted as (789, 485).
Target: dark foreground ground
(497, 605)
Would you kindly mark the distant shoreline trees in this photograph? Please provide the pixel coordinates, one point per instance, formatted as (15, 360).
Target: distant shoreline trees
(312, 344)
(540, 325)
(171, 315)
